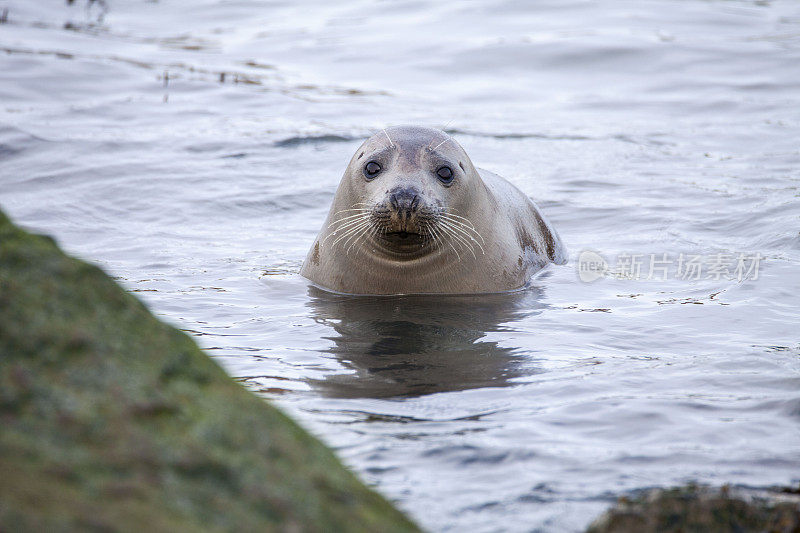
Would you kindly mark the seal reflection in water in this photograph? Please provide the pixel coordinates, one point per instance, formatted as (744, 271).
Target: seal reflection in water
(406, 346)
(412, 215)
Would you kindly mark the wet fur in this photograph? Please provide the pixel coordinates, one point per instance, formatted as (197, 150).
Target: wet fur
(480, 235)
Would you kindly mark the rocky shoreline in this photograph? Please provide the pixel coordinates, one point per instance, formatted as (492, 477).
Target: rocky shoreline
(698, 508)
(114, 421)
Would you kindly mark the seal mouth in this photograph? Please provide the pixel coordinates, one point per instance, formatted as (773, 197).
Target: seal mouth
(403, 241)
(402, 235)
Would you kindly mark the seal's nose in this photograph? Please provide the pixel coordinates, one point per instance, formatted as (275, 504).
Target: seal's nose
(404, 200)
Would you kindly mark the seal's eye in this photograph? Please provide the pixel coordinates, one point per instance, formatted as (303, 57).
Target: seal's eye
(445, 174)
(371, 169)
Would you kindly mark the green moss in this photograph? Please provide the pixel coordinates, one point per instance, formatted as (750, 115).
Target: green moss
(112, 420)
(702, 510)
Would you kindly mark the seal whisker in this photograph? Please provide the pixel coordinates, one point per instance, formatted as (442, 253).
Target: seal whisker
(367, 231)
(359, 235)
(360, 231)
(352, 223)
(350, 232)
(343, 224)
(441, 143)
(431, 234)
(466, 233)
(461, 240)
(455, 212)
(450, 242)
(451, 214)
(468, 229)
(345, 228)
(373, 233)
(354, 215)
(359, 209)
(349, 217)
(428, 148)
(428, 237)
(440, 240)
(390, 139)
(465, 222)
(459, 233)
(464, 245)
(471, 238)
(427, 226)
(467, 226)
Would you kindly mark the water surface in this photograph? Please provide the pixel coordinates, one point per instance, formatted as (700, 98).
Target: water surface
(192, 149)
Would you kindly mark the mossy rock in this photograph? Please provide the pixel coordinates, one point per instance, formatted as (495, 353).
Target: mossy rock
(703, 509)
(111, 420)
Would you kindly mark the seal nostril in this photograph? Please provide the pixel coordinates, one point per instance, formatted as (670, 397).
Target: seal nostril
(405, 201)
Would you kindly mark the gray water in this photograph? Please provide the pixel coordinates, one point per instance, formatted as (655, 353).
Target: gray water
(192, 148)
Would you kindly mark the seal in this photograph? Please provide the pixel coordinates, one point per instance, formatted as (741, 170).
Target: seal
(412, 215)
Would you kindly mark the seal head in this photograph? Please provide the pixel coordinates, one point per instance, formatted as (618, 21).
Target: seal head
(413, 215)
